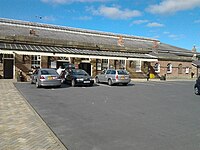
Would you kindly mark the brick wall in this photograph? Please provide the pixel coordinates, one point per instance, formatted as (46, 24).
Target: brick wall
(175, 67)
(44, 62)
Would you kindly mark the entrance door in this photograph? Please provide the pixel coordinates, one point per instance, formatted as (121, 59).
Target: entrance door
(8, 68)
(86, 67)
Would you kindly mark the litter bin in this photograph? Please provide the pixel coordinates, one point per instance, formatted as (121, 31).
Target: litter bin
(163, 77)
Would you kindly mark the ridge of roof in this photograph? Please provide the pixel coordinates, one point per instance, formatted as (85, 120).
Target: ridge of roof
(78, 30)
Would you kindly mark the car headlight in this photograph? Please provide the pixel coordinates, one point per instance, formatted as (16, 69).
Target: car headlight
(79, 79)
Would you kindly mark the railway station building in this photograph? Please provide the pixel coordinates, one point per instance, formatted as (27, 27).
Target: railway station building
(25, 45)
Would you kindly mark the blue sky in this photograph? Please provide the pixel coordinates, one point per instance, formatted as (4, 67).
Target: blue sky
(174, 22)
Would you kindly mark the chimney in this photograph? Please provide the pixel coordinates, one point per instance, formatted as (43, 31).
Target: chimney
(194, 49)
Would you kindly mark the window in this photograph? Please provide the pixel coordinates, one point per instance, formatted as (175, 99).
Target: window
(157, 67)
(122, 63)
(104, 64)
(63, 58)
(169, 68)
(113, 72)
(48, 72)
(8, 56)
(138, 66)
(180, 69)
(108, 72)
(122, 72)
(131, 64)
(35, 60)
(187, 70)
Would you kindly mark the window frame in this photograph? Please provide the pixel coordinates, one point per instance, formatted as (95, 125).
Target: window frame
(157, 67)
(35, 61)
(180, 69)
(169, 68)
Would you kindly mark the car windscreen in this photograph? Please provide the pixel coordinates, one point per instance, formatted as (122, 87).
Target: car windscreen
(69, 66)
(79, 72)
(122, 72)
(48, 72)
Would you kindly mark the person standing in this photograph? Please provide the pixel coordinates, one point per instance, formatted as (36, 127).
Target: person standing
(60, 70)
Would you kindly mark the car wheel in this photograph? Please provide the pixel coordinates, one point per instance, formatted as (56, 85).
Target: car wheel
(124, 84)
(58, 86)
(110, 82)
(196, 90)
(73, 83)
(37, 84)
(97, 80)
(32, 81)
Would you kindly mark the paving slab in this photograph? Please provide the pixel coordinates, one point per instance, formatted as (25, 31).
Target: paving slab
(21, 128)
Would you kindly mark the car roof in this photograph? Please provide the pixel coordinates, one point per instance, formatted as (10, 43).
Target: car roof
(116, 69)
(46, 68)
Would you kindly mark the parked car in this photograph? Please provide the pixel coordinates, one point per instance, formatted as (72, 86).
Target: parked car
(46, 77)
(78, 77)
(197, 86)
(112, 76)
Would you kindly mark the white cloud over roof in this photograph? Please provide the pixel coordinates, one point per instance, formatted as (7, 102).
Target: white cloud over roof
(155, 24)
(115, 12)
(172, 6)
(140, 21)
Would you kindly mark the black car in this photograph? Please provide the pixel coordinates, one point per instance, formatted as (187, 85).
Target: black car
(78, 77)
(197, 86)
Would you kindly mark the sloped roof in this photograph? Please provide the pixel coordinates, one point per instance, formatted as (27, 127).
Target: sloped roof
(16, 28)
(196, 63)
(50, 49)
(13, 27)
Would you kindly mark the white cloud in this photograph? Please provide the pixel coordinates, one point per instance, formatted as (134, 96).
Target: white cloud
(197, 21)
(140, 21)
(155, 24)
(71, 1)
(84, 18)
(115, 12)
(172, 6)
(166, 32)
(176, 37)
(49, 18)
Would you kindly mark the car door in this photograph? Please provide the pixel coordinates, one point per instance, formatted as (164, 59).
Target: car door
(101, 76)
(112, 75)
(34, 76)
(107, 75)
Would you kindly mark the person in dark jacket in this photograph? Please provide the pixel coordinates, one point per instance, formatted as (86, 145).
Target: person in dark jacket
(148, 75)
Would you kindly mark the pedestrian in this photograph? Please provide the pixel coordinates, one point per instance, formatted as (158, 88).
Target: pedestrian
(33, 69)
(192, 74)
(60, 70)
(148, 75)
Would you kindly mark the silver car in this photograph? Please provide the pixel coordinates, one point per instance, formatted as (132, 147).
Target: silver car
(112, 76)
(46, 77)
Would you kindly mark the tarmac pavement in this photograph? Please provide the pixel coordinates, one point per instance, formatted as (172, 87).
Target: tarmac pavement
(21, 128)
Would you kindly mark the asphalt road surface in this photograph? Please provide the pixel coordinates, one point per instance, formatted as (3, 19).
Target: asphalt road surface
(141, 116)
